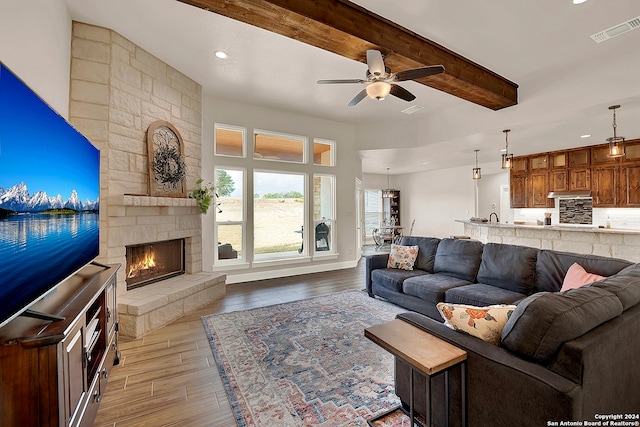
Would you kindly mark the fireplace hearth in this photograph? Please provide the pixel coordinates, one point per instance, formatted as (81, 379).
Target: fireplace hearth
(152, 262)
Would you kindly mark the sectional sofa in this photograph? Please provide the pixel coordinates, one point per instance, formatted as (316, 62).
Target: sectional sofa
(561, 356)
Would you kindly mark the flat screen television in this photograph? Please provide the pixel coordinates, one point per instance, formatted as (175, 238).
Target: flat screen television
(49, 198)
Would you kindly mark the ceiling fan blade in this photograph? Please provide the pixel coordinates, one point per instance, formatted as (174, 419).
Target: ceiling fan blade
(375, 62)
(329, 82)
(402, 93)
(418, 73)
(359, 97)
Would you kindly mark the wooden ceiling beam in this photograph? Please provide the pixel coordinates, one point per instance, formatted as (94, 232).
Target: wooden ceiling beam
(347, 29)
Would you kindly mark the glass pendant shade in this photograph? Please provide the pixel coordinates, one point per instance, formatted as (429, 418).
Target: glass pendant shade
(378, 90)
(388, 193)
(477, 174)
(616, 143)
(507, 159)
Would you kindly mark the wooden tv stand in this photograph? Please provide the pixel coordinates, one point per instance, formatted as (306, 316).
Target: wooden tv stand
(53, 373)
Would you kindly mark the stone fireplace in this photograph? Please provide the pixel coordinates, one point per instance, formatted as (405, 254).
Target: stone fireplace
(117, 90)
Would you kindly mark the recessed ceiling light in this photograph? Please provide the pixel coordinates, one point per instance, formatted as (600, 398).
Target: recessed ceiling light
(585, 136)
(579, 1)
(220, 54)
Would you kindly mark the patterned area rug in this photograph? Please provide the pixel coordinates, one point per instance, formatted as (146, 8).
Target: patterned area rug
(305, 363)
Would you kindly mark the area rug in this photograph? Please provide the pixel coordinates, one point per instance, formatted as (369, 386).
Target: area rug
(305, 363)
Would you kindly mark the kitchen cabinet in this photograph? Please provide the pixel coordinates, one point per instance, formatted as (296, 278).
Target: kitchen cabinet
(539, 189)
(630, 186)
(579, 179)
(518, 189)
(579, 158)
(600, 156)
(538, 162)
(559, 180)
(605, 186)
(632, 150)
(559, 160)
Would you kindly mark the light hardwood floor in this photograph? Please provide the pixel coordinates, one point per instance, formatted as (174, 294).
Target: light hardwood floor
(169, 377)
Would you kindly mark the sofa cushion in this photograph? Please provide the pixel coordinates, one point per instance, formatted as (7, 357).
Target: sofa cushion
(508, 267)
(544, 321)
(426, 253)
(485, 323)
(402, 257)
(458, 258)
(431, 287)
(577, 277)
(392, 278)
(552, 266)
(481, 294)
(632, 270)
(625, 287)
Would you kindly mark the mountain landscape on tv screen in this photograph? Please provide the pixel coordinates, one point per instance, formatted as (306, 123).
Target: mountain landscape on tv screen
(17, 199)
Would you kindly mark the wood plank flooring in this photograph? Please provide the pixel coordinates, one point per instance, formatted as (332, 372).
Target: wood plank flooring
(169, 377)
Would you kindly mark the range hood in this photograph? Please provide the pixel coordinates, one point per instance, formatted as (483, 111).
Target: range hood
(569, 195)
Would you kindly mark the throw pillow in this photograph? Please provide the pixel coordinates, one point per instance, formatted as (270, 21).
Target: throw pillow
(403, 257)
(485, 323)
(577, 276)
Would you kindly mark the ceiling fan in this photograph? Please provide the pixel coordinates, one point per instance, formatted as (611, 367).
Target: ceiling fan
(381, 81)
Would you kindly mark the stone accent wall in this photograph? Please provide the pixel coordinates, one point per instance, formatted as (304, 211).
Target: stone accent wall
(604, 242)
(117, 90)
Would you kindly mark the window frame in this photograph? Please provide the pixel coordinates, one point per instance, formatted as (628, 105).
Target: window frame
(331, 221)
(242, 258)
(241, 129)
(303, 140)
(333, 157)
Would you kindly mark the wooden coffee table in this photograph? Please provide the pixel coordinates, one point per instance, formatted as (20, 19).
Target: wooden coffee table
(423, 352)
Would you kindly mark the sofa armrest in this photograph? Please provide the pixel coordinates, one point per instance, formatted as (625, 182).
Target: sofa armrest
(374, 262)
(501, 386)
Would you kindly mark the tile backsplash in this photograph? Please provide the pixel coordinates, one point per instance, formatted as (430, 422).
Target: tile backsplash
(575, 211)
(625, 218)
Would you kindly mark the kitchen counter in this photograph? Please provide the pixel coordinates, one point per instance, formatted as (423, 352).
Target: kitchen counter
(579, 238)
(563, 227)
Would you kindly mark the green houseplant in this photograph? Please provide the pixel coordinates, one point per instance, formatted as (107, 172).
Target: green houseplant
(203, 195)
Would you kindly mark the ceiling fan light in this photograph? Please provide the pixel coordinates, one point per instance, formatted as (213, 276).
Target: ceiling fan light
(378, 90)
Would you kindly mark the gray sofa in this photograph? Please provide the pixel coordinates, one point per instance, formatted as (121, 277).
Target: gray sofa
(563, 356)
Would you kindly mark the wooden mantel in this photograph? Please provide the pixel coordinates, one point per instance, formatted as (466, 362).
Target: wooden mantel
(347, 29)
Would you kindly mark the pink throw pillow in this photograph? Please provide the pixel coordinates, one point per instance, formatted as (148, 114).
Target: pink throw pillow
(577, 276)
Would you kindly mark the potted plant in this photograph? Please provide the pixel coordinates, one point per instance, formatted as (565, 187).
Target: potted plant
(203, 193)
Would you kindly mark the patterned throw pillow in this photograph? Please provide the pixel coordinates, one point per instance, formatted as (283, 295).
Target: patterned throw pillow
(485, 323)
(403, 257)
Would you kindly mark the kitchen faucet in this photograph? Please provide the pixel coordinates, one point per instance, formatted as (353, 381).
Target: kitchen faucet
(493, 213)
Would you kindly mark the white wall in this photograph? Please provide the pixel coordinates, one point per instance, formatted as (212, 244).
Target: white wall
(35, 43)
(435, 199)
(348, 166)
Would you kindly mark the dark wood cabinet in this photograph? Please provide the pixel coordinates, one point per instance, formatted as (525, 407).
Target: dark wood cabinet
(539, 189)
(54, 373)
(605, 186)
(630, 186)
(579, 158)
(518, 190)
(600, 156)
(579, 179)
(559, 180)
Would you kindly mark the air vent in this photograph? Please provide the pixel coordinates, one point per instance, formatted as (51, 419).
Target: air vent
(616, 30)
(412, 109)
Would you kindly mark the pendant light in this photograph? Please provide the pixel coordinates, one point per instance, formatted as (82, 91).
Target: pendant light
(616, 143)
(507, 159)
(476, 171)
(388, 193)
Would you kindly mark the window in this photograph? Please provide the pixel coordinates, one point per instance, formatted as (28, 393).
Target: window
(230, 218)
(323, 152)
(323, 212)
(275, 146)
(229, 140)
(372, 213)
(278, 214)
